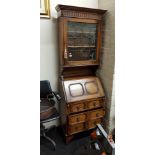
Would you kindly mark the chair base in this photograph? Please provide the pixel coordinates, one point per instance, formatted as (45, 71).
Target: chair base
(43, 134)
(49, 139)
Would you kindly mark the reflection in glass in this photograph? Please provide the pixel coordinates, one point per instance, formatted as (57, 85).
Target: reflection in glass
(76, 89)
(81, 41)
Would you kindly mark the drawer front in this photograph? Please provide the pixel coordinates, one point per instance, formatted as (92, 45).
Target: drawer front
(77, 107)
(96, 114)
(76, 128)
(86, 105)
(92, 123)
(93, 104)
(74, 119)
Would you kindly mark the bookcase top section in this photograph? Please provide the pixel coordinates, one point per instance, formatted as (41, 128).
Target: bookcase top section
(60, 7)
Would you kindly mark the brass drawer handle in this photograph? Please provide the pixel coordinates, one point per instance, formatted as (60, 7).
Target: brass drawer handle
(77, 119)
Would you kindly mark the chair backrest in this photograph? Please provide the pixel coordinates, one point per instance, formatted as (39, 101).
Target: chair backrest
(45, 88)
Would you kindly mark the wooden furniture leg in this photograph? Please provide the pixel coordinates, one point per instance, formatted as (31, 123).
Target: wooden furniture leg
(69, 138)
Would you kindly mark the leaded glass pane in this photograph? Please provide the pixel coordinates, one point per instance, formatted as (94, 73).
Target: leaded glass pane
(81, 41)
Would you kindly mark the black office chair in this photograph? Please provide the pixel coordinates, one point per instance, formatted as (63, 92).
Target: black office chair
(48, 112)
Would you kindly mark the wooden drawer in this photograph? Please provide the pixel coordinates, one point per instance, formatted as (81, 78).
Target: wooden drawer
(78, 118)
(86, 105)
(76, 107)
(96, 114)
(76, 128)
(93, 104)
(92, 123)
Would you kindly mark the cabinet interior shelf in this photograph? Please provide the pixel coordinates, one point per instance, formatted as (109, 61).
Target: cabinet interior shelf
(80, 32)
(81, 46)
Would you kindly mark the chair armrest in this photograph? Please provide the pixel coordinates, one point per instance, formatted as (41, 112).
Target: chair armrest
(58, 97)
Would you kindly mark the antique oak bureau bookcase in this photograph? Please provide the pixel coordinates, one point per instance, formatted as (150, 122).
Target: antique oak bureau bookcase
(80, 38)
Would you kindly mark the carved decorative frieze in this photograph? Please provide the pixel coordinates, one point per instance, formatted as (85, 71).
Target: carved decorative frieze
(80, 12)
(77, 14)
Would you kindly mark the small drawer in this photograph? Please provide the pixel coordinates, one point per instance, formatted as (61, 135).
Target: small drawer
(96, 114)
(78, 118)
(93, 104)
(76, 107)
(76, 128)
(92, 123)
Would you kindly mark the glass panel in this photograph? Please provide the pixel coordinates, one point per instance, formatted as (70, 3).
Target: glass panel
(76, 89)
(81, 41)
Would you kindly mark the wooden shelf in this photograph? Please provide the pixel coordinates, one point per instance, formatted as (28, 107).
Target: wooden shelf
(80, 32)
(81, 46)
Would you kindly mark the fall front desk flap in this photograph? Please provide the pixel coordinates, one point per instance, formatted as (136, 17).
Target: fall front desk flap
(83, 88)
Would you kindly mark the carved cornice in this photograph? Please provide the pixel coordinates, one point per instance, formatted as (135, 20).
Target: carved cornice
(79, 12)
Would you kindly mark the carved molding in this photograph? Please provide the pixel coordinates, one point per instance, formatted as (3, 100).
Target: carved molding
(77, 14)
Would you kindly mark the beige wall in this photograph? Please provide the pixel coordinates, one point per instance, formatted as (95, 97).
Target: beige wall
(106, 71)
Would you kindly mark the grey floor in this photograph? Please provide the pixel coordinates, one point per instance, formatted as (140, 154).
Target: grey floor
(62, 148)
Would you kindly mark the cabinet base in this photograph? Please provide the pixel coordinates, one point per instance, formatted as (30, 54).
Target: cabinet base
(68, 139)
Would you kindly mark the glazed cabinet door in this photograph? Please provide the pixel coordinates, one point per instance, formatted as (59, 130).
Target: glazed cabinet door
(82, 41)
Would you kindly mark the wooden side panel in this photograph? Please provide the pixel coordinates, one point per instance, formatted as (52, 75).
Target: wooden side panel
(63, 105)
(61, 43)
